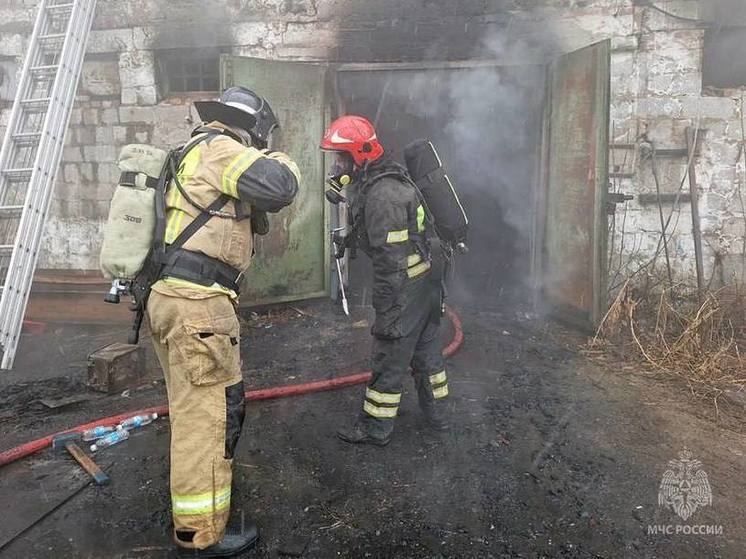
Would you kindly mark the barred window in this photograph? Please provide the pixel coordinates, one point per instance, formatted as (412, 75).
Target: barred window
(188, 71)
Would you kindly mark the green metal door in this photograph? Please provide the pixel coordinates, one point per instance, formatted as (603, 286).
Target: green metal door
(292, 261)
(577, 135)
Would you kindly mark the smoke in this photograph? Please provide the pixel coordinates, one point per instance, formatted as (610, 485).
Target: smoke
(492, 141)
(494, 129)
(485, 121)
(188, 24)
(724, 12)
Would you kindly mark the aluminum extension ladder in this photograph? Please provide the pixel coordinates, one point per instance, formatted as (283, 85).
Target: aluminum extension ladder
(31, 151)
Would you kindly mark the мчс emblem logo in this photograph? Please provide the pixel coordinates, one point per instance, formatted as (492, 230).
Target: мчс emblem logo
(685, 487)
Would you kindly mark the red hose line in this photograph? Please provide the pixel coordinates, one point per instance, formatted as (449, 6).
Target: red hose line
(458, 333)
(21, 451)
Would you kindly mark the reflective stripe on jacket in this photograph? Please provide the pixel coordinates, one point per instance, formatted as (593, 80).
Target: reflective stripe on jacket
(267, 181)
(390, 224)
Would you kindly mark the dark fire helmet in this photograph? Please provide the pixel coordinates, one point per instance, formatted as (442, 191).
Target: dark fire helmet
(241, 107)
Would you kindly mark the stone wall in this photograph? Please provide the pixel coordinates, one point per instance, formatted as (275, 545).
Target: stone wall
(656, 94)
(657, 90)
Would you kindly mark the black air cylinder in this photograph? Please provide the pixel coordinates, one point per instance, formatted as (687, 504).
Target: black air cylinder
(426, 170)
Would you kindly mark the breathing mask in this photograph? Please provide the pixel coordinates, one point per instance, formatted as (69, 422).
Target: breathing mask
(341, 174)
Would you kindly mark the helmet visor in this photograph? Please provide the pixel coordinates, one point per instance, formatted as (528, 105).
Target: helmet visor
(275, 140)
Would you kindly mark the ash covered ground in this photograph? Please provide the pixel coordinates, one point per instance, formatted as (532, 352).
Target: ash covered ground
(549, 456)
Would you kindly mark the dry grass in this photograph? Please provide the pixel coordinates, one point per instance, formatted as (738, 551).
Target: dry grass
(701, 342)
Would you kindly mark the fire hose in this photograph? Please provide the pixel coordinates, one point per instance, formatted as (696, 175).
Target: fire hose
(26, 449)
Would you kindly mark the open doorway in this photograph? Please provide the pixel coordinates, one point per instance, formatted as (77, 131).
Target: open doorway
(485, 121)
(526, 146)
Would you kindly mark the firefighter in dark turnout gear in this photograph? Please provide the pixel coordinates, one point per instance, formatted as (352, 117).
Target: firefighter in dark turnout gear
(389, 223)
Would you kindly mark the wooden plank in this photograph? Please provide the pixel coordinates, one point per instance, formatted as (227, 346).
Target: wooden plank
(665, 198)
(87, 463)
(665, 152)
(691, 136)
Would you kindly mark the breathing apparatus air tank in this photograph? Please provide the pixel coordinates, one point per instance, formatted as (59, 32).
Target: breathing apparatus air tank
(129, 230)
(426, 170)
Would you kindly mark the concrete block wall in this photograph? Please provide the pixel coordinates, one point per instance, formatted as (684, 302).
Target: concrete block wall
(119, 101)
(667, 99)
(656, 93)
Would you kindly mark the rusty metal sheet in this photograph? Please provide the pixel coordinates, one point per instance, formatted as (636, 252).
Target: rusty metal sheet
(292, 261)
(574, 270)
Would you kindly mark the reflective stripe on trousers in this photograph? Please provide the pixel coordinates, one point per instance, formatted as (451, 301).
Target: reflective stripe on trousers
(439, 383)
(201, 503)
(196, 341)
(421, 349)
(382, 405)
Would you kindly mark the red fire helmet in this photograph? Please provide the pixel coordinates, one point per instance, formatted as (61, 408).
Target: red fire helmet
(354, 135)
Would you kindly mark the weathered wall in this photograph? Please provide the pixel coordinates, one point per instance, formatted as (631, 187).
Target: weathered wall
(657, 96)
(118, 100)
(656, 93)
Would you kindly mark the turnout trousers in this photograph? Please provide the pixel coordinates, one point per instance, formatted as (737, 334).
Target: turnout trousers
(419, 348)
(196, 341)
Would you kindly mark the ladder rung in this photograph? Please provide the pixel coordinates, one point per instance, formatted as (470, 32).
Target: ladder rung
(18, 173)
(49, 68)
(61, 30)
(58, 7)
(52, 42)
(39, 102)
(25, 138)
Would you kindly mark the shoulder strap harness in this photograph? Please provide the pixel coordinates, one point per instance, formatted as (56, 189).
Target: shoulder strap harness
(173, 260)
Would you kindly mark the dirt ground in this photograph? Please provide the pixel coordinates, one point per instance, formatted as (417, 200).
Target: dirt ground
(549, 456)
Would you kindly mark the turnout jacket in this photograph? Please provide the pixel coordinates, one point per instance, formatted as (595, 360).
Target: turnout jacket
(254, 179)
(390, 226)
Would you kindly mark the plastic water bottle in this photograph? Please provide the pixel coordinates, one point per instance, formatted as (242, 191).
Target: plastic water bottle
(111, 439)
(137, 421)
(97, 433)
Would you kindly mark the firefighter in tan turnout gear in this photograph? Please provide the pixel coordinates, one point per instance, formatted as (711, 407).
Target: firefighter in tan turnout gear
(388, 222)
(225, 182)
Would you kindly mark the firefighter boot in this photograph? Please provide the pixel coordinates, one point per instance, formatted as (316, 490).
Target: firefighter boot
(434, 408)
(230, 546)
(367, 431)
